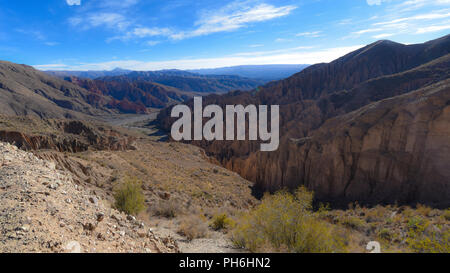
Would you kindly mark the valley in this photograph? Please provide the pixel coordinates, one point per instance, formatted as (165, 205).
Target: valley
(363, 156)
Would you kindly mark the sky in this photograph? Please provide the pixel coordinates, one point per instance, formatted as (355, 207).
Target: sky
(191, 34)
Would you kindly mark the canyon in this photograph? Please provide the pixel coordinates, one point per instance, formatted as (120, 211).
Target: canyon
(370, 127)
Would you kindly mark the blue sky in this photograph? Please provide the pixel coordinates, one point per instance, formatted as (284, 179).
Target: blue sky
(185, 34)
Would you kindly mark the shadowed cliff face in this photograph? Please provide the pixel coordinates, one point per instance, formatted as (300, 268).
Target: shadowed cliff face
(370, 127)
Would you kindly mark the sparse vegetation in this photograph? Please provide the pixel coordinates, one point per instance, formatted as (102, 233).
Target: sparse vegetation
(129, 197)
(167, 208)
(193, 227)
(222, 222)
(424, 237)
(446, 215)
(285, 221)
(353, 223)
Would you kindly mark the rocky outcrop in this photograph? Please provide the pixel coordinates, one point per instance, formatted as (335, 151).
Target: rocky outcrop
(69, 136)
(43, 210)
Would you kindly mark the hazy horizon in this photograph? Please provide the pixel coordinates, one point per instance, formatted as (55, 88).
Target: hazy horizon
(82, 35)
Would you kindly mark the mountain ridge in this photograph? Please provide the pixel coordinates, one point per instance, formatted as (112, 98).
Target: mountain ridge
(308, 100)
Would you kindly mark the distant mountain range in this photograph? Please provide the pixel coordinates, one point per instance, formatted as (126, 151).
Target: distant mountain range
(189, 82)
(261, 73)
(266, 73)
(27, 91)
(371, 127)
(90, 74)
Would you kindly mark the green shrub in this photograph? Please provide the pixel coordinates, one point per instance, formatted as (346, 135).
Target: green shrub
(222, 221)
(385, 234)
(354, 223)
(446, 215)
(425, 238)
(129, 197)
(416, 222)
(284, 221)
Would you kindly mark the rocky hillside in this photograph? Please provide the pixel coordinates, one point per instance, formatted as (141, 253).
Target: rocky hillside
(133, 97)
(368, 127)
(43, 210)
(29, 133)
(25, 91)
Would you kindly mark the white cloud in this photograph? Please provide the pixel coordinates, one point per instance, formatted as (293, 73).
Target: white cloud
(432, 29)
(282, 40)
(149, 32)
(232, 17)
(410, 5)
(427, 16)
(383, 35)
(375, 2)
(73, 2)
(313, 34)
(369, 30)
(258, 58)
(152, 43)
(108, 19)
(51, 43)
(117, 3)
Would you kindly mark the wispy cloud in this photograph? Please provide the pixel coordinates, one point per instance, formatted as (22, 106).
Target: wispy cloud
(369, 30)
(313, 34)
(433, 28)
(35, 34)
(234, 16)
(117, 3)
(258, 58)
(152, 43)
(51, 43)
(375, 2)
(73, 2)
(407, 22)
(383, 35)
(108, 19)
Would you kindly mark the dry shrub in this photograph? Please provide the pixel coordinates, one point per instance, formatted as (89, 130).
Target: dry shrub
(353, 223)
(423, 210)
(446, 215)
(129, 196)
(377, 214)
(167, 208)
(193, 227)
(285, 221)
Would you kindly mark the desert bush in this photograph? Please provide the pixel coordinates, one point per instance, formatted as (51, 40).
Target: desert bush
(285, 221)
(423, 237)
(167, 208)
(416, 222)
(385, 234)
(376, 214)
(446, 215)
(353, 223)
(193, 227)
(423, 210)
(129, 197)
(222, 222)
